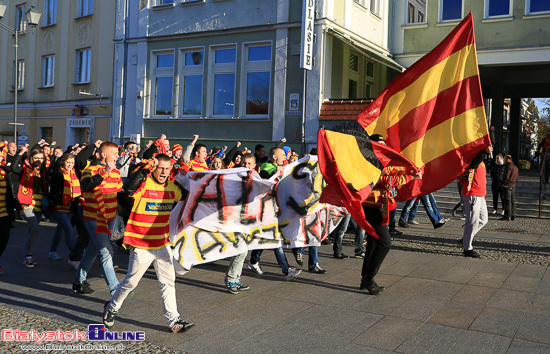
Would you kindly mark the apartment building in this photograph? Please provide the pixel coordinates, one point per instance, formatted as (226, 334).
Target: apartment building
(65, 71)
(229, 70)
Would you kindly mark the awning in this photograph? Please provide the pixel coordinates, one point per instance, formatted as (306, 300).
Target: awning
(367, 51)
(344, 109)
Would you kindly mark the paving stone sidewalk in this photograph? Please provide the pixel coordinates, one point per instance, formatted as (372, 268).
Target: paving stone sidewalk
(441, 303)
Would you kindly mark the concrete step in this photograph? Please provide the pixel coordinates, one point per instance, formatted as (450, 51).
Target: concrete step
(527, 198)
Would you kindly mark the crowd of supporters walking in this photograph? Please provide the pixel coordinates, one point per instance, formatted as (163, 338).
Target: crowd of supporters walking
(87, 187)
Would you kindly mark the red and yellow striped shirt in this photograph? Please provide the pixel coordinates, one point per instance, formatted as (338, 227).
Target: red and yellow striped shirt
(148, 223)
(194, 165)
(101, 201)
(3, 194)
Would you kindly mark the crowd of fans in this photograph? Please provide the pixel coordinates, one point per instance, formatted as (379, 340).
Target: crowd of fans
(86, 186)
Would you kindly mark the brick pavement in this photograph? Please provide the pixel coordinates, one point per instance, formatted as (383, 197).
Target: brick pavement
(432, 303)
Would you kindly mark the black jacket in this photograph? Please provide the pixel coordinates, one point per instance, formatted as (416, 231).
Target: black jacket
(56, 184)
(13, 177)
(497, 175)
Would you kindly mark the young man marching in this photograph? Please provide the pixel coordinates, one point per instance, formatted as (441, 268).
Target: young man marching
(147, 235)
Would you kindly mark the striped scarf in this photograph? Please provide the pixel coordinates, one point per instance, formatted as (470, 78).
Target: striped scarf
(4, 153)
(160, 146)
(71, 186)
(26, 194)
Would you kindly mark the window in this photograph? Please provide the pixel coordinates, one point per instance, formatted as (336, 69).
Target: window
(367, 89)
(352, 89)
(46, 133)
(163, 83)
(360, 2)
(50, 10)
(83, 60)
(257, 71)
(375, 7)
(48, 67)
(192, 75)
(416, 10)
(537, 6)
(496, 8)
(354, 62)
(85, 8)
(20, 23)
(370, 69)
(165, 2)
(411, 11)
(223, 77)
(450, 10)
(20, 74)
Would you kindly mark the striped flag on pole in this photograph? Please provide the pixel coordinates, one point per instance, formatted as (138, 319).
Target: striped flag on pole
(433, 112)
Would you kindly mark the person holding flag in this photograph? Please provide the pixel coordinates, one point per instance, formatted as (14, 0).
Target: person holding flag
(376, 208)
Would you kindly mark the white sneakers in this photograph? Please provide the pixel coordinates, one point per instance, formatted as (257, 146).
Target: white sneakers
(255, 267)
(292, 273)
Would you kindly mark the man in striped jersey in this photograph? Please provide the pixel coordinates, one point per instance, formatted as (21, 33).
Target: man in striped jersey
(100, 184)
(146, 236)
(198, 158)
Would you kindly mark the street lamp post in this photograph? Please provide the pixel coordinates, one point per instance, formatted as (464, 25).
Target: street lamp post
(32, 18)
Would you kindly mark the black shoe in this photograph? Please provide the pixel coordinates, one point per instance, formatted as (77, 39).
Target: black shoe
(396, 233)
(298, 257)
(83, 288)
(108, 315)
(504, 218)
(371, 286)
(232, 288)
(438, 225)
(180, 326)
(513, 218)
(360, 255)
(340, 256)
(403, 224)
(471, 253)
(317, 269)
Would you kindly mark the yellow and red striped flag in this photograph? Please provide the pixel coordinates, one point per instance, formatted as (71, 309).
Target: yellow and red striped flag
(433, 112)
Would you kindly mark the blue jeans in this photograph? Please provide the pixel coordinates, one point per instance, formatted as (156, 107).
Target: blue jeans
(428, 201)
(338, 234)
(392, 213)
(63, 226)
(409, 211)
(359, 237)
(99, 245)
(279, 254)
(313, 258)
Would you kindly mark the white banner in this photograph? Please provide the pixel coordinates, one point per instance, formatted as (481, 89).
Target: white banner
(231, 211)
